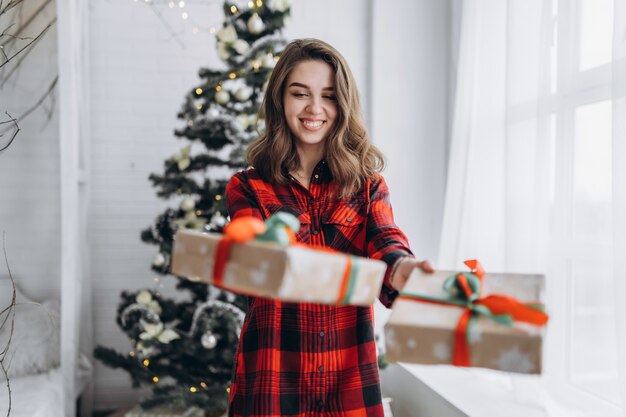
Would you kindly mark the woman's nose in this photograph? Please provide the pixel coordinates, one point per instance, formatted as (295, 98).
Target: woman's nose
(314, 106)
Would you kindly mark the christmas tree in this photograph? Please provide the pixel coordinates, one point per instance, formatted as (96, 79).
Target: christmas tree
(184, 348)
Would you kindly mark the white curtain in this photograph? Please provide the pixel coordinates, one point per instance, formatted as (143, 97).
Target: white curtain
(537, 177)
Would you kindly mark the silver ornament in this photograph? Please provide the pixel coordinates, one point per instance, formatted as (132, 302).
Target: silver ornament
(208, 340)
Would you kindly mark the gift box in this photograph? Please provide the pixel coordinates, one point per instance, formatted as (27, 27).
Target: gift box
(500, 326)
(295, 273)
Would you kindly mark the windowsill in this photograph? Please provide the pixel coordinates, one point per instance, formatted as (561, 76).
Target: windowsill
(474, 392)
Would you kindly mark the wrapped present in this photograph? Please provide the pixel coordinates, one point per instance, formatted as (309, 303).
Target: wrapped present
(264, 260)
(469, 319)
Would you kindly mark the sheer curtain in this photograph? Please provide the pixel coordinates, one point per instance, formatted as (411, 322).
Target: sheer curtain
(537, 178)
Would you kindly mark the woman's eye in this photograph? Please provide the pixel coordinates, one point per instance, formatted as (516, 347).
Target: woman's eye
(299, 94)
(330, 98)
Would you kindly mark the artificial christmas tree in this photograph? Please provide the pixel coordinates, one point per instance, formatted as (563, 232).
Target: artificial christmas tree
(184, 347)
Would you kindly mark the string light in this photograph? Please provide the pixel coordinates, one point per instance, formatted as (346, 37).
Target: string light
(184, 15)
(212, 29)
(218, 88)
(218, 197)
(146, 362)
(233, 9)
(250, 4)
(232, 75)
(198, 212)
(259, 3)
(199, 106)
(131, 354)
(203, 385)
(228, 390)
(155, 379)
(276, 58)
(193, 389)
(255, 65)
(198, 91)
(181, 4)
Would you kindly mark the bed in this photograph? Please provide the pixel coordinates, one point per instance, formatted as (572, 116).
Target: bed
(33, 358)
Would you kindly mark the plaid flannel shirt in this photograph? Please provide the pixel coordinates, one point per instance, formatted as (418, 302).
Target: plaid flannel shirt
(304, 359)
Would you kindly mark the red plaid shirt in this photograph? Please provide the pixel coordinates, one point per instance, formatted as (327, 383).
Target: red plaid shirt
(303, 359)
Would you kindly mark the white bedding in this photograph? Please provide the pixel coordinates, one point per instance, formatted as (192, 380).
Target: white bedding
(40, 395)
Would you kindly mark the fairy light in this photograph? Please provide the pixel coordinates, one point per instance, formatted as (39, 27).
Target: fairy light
(218, 197)
(131, 354)
(155, 379)
(259, 3)
(146, 362)
(193, 389)
(233, 9)
(198, 212)
(232, 75)
(250, 4)
(228, 390)
(255, 65)
(218, 88)
(184, 15)
(212, 29)
(199, 91)
(199, 106)
(181, 4)
(276, 58)
(203, 385)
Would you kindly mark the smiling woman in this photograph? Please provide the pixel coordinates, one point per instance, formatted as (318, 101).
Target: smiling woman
(315, 161)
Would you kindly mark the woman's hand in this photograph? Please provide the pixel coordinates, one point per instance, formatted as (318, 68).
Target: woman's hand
(403, 270)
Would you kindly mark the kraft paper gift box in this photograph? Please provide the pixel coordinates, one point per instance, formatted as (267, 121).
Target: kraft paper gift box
(289, 273)
(424, 332)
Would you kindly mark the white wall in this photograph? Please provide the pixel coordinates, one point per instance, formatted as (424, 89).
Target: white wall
(29, 168)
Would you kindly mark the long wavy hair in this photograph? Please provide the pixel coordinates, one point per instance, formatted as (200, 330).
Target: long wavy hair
(350, 155)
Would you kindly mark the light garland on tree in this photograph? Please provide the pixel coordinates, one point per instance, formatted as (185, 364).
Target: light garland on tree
(235, 311)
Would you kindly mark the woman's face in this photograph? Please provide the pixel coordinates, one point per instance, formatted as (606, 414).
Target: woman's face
(310, 103)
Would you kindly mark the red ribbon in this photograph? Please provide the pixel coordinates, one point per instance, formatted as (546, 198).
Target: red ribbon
(497, 304)
(244, 229)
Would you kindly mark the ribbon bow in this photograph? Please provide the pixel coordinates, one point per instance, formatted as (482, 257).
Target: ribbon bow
(279, 228)
(464, 290)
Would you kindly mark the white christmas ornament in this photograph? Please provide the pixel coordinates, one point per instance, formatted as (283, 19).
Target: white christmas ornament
(218, 220)
(188, 203)
(255, 24)
(222, 97)
(159, 260)
(208, 340)
(157, 331)
(243, 93)
(268, 61)
(222, 51)
(227, 34)
(278, 5)
(241, 46)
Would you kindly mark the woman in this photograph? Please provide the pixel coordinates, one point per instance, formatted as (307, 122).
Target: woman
(315, 161)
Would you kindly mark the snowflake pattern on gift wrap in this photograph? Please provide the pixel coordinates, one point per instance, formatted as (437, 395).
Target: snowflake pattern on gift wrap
(442, 351)
(259, 275)
(514, 360)
(390, 337)
(411, 343)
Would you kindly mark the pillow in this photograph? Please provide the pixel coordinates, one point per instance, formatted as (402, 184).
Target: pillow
(35, 345)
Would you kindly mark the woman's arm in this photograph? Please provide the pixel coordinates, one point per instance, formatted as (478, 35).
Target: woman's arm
(385, 240)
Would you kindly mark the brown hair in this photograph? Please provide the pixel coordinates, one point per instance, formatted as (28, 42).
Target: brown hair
(350, 155)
